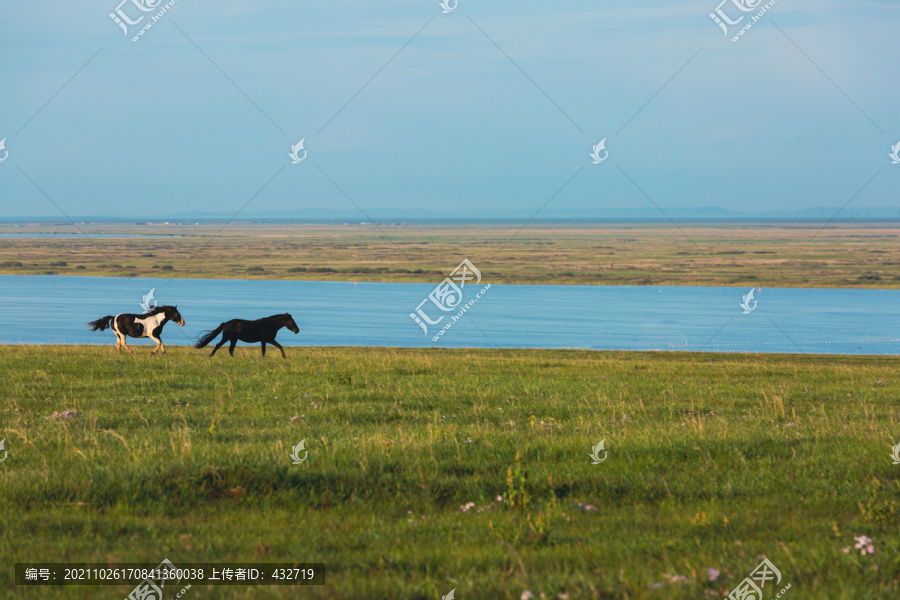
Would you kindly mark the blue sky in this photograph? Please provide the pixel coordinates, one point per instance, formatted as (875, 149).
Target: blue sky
(202, 118)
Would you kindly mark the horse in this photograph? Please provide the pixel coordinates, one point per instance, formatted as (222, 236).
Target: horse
(260, 330)
(149, 324)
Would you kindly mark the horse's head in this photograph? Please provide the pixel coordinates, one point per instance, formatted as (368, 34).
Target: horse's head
(290, 324)
(173, 314)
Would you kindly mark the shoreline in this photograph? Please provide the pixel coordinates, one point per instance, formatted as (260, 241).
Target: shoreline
(240, 277)
(671, 354)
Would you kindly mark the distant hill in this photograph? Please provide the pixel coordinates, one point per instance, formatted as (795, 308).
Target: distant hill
(650, 213)
(613, 214)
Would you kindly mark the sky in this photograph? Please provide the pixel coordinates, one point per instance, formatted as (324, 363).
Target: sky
(489, 110)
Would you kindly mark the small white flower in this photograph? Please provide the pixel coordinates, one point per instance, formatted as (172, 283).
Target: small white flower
(864, 545)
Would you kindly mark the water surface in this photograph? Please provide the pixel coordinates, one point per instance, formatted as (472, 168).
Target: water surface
(40, 309)
(81, 235)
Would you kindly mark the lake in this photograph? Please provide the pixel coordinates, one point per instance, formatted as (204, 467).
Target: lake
(80, 235)
(40, 309)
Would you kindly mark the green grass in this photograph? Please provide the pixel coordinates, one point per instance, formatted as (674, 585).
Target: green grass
(721, 458)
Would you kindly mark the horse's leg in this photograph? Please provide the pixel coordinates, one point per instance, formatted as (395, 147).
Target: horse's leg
(159, 345)
(120, 338)
(232, 345)
(124, 345)
(219, 345)
(264, 348)
(277, 345)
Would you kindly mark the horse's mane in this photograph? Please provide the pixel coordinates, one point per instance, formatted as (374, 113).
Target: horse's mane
(157, 310)
(279, 316)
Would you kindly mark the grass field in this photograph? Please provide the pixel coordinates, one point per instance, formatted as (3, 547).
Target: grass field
(714, 461)
(785, 255)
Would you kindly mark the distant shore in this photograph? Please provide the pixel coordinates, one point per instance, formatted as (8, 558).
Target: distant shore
(801, 254)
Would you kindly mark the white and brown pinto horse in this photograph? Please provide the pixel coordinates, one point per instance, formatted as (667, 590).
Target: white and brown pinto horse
(150, 324)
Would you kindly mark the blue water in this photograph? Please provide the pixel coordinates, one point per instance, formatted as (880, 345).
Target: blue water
(80, 235)
(37, 309)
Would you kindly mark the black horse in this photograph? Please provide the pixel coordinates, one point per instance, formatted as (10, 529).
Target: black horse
(150, 324)
(260, 330)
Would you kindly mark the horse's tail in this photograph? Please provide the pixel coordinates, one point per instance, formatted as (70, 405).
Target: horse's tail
(101, 324)
(208, 336)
